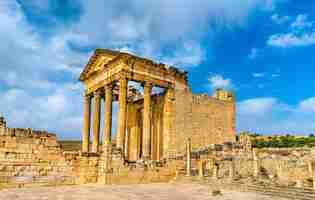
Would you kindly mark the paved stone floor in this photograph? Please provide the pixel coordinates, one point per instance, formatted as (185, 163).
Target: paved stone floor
(125, 192)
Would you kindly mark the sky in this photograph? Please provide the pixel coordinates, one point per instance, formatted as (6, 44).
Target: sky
(262, 50)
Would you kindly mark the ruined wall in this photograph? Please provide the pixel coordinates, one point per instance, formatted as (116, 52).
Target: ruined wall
(29, 157)
(206, 120)
(286, 166)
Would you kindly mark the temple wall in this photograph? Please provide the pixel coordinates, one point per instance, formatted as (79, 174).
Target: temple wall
(204, 119)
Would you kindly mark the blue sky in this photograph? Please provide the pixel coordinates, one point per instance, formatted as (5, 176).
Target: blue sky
(263, 50)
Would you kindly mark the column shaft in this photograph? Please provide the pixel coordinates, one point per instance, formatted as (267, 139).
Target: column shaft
(108, 115)
(96, 122)
(86, 123)
(200, 168)
(121, 128)
(188, 158)
(158, 138)
(168, 118)
(146, 121)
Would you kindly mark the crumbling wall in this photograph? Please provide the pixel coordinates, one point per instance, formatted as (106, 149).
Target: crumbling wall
(29, 157)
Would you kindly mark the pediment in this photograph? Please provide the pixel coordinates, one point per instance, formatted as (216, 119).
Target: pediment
(107, 64)
(98, 61)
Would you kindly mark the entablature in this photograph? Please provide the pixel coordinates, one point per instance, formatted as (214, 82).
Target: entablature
(106, 66)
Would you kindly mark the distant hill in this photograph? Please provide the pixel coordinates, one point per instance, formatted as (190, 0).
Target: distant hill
(282, 141)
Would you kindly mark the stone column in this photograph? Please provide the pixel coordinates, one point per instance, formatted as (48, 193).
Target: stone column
(126, 146)
(168, 120)
(158, 138)
(256, 167)
(121, 128)
(312, 163)
(146, 139)
(231, 170)
(108, 115)
(309, 167)
(86, 123)
(188, 158)
(96, 121)
(279, 170)
(255, 164)
(200, 169)
(215, 171)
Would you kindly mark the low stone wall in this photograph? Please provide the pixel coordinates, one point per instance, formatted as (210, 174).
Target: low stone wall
(29, 158)
(274, 191)
(289, 167)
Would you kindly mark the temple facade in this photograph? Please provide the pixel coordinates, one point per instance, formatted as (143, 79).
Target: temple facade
(150, 125)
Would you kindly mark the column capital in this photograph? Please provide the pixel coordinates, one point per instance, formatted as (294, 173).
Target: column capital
(147, 84)
(86, 95)
(122, 75)
(109, 86)
(97, 93)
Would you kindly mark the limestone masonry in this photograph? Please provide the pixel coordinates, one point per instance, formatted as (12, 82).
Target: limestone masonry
(168, 135)
(150, 127)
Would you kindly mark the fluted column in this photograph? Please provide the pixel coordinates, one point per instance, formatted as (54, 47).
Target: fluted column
(86, 123)
(96, 122)
(108, 114)
(120, 137)
(146, 142)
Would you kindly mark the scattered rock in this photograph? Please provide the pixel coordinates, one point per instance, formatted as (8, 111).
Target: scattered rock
(216, 193)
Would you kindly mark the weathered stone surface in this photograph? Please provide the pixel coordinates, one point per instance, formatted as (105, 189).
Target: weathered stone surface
(30, 157)
(124, 192)
(166, 119)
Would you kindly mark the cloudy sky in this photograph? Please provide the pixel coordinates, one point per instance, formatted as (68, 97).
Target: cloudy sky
(263, 50)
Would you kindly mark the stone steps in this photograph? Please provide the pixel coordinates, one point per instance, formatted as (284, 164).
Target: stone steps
(279, 191)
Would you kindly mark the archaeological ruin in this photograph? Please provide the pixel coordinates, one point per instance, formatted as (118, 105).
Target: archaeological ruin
(150, 126)
(164, 133)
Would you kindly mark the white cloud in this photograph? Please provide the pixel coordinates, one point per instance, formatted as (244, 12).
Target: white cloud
(279, 19)
(271, 116)
(307, 105)
(301, 22)
(256, 106)
(147, 27)
(48, 112)
(275, 75)
(36, 96)
(253, 53)
(291, 40)
(218, 81)
(39, 73)
(190, 55)
(258, 75)
(301, 34)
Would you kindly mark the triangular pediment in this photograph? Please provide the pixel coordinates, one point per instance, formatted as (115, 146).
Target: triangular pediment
(105, 66)
(98, 61)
